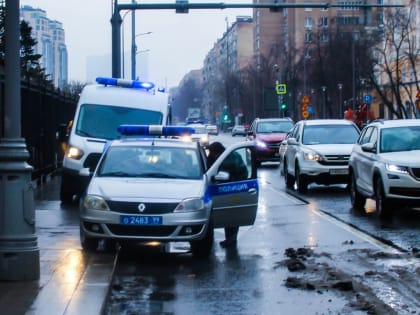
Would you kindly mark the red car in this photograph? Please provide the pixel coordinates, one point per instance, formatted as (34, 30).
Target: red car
(268, 133)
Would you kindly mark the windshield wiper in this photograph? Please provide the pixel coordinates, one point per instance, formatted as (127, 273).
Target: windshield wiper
(117, 174)
(156, 175)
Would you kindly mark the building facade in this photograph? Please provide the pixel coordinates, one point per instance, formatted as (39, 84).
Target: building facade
(222, 65)
(50, 38)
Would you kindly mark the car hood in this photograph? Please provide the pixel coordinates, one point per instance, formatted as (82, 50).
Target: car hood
(271, 137)
(331, 149)
(150, 188)
(405, 158)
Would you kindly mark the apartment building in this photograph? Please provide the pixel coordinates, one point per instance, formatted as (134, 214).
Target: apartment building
(231, 53)
(50, 38)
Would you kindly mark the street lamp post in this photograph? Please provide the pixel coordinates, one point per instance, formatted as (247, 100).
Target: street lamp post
(19, 252)
(340, 101)
(324, 88)
(122, 46)
(134, 52)
(277, 81)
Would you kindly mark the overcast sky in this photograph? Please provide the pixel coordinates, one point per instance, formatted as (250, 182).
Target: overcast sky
(178, 42)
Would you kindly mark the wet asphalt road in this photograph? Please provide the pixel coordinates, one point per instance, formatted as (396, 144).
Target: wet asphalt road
(250, 279)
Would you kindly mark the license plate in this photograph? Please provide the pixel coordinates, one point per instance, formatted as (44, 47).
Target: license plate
(339, 172)
(140, 220)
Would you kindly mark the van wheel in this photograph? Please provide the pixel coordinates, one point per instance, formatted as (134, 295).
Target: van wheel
(66, 193)
(202, 248)
(357, 200)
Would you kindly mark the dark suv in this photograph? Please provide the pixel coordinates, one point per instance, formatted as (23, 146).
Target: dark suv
(268, 133)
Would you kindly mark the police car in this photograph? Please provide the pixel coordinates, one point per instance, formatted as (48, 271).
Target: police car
(150, 186)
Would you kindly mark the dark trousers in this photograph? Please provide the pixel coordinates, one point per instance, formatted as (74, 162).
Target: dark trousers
(231, 233)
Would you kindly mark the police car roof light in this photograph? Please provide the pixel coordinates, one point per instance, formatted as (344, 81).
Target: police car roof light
(125, 83)
(154, 130)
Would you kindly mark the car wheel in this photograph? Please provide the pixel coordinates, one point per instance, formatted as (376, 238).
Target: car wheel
(88, 243)
(289, 180)
(383, 204)
(301, 181)
(202, 248)
(357, 200)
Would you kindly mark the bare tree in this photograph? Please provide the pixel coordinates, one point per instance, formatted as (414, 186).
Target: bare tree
(394, 59)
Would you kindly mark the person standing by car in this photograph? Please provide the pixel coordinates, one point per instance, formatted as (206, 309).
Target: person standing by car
(237, 170)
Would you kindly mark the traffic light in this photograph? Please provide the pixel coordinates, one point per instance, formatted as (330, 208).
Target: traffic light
(283, 106)
(225, 117)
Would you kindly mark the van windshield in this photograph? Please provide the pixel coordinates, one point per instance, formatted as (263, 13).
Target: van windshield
(102, 121)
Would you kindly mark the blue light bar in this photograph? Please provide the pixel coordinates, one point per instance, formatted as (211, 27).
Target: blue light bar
(125, 83)
(154, 130)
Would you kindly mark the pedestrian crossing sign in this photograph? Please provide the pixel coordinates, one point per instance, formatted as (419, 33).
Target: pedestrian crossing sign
(281, 89)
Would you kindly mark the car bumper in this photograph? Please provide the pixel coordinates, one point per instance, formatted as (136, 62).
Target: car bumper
(268, 155)
(322, 174)
(179, 226)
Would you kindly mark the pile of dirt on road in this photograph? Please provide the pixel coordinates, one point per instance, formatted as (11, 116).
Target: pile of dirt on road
(374, 282)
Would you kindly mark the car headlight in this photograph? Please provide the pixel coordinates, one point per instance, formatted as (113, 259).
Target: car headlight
(190, 204)
(312, 156)
(396, 168)
(261, 144)
(95, 203)
(74, 153)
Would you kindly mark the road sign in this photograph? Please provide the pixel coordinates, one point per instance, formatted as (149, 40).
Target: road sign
(367, 99)
(305, 107)
(281, 88)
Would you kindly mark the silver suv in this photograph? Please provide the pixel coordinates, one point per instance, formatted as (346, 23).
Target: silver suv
(318, 151)
(385, 165)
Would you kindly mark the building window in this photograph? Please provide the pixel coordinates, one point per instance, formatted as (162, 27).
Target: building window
(308, 22)
(324, 37)
(323, 21)
(308, 37)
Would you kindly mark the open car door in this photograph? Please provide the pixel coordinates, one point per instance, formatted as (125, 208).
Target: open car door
(233, 187)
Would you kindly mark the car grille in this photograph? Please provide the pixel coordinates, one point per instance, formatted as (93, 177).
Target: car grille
(158, 231)
(416, 172)
(273, 145)
(133, 207)
(92, 160)
(408, 192)
(335, 160)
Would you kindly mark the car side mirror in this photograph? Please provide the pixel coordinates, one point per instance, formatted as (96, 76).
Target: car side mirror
(85, 172)
(369, 147)
(291, 141)
(222, 176)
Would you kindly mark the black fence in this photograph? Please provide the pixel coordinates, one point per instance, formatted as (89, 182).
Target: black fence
(45, 111)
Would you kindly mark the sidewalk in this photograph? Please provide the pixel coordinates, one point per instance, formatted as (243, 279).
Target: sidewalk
(71, 281)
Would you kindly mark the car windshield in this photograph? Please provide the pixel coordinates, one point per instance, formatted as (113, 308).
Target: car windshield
(330, 134)
(150, 162)
(274, 126)
(405, 138)
(100, 121)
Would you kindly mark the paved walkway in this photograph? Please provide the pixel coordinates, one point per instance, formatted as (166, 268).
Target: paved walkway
(71, 281)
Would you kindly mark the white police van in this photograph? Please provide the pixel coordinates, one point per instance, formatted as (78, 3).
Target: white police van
(152, 189)
(102, 107)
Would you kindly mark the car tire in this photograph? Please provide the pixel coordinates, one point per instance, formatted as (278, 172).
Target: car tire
(289, 180)
(89, 244)
(202, 248)
(383, 204)
(66, 193)
(301, 181)
(357, 199)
